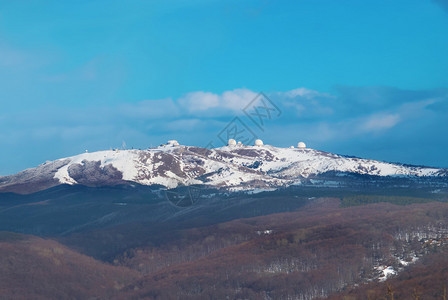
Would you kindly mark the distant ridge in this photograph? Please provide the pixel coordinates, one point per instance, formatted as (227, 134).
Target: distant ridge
(235, 167)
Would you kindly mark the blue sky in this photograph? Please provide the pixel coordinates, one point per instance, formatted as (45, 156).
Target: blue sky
(365, 78)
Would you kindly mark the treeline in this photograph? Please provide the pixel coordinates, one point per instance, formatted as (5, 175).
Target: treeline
(304, 255)
(356, 200)
(35, 268)
(314, 253)
(426, 280)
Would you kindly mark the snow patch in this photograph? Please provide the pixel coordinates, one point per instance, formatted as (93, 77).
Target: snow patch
(250, 168)
(386, 272)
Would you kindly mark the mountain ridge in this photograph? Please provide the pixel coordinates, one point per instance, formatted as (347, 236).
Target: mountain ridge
(235, 167)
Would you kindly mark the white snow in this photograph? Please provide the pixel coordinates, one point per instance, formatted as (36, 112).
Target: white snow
(257, 191)
(265, 232)
(386, 272)
(233, 166)
(123, 160)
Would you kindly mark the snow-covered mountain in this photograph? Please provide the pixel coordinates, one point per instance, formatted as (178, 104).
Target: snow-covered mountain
(237, 166)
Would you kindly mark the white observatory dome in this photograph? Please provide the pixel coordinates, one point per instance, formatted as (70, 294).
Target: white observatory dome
(231, 142)
(239, 143)
(258, 143)
(173, 143)
(301, 145)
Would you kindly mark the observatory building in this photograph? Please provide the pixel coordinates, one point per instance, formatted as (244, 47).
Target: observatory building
(172, 143)
(301, 145)
(258, 143)
(231, 142)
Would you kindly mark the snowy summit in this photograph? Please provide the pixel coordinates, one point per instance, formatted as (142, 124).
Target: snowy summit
(236, 165)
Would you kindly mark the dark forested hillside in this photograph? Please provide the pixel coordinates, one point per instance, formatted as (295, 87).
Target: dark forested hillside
(300, 243)
(427, 279)
(303, 255)
(35, 268)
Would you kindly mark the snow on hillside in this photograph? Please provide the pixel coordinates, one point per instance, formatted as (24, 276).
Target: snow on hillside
(125, 161)
(231, 165)
(237, 167)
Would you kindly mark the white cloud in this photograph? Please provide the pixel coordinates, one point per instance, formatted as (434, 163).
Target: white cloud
(229, 101)
(380, 122)
(150, 109)
(237, 99)
(199, 101)
(307, 103)
(302, 92)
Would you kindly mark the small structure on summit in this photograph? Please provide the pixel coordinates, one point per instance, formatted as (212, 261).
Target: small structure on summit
(258, 143)
(239, 143)
(172, 143)
(301, 145)
(231, 142)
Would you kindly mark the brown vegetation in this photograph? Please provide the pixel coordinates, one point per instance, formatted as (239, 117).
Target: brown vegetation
(302, 255)
(426, 280)
(35, 268)
(319, 251)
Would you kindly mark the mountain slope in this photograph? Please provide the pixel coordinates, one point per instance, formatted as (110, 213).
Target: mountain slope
(35, 268)
(306, 254)
(238, 167)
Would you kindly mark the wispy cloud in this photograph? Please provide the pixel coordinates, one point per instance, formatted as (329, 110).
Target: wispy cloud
(442, 3)
(14, 58)
(229, 102)
(306, 103)
(380, 122)
(88, 71)
(149, 109)
(10, 57)
(348, 121)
